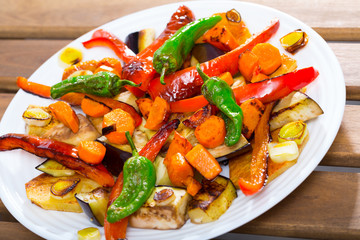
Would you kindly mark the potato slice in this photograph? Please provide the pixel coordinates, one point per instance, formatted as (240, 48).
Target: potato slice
(212, 200)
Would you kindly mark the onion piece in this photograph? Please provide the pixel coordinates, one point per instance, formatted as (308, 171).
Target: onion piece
(285, 151)
(36, 117)
(294, 41)
(294, 131)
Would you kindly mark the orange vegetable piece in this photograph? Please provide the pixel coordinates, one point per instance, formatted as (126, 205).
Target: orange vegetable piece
(193, 186)
(91, 152)
(94, 108)
(252, 109)
(104, 68)
(248, 64)
(203, 162)
(227, 78)
(32, 87)
(117, 122)
(211, 133)
(179, 144)
(144, 105)
(220, 37)
(159, 114)
(269, 57)
(63, 112)
(258, 77)
(179, 170)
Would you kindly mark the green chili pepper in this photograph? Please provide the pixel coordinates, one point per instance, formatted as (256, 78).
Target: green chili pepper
(104, 84)
(139, 182)
(220, 94)
(171, 55)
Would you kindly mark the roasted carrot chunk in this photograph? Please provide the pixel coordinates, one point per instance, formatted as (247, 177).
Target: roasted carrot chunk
(248, 64)
(63, 112)
(193, 186)
(227, 78)
(179, 170)
(144, 105)
(179, 144)
(94, 108)
(269, 57)
(159, 114)
(252, 109)
(211, 133)
(91, 152)
(32, 87)
(202, 160)
(258, 77)
(115, 124)
(220, 37)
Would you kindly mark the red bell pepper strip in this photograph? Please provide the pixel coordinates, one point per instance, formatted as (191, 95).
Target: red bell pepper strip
(102, 38)
(140, 69)
(260, 154)
(154, 145)
(117, 230)
(187, 82)
(63, 153)
(266, 91)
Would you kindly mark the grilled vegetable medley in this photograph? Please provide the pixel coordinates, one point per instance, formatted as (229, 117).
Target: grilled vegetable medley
(159, 122)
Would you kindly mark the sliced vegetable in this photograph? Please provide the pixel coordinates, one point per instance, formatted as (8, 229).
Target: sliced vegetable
(294, 131)
(284, 151)
(227, 78)
(63, 112)
(248, 64)
(211, 133)
(171, 55)
(193, 186)
(36, 116)
(94, 204)
(269, 57)
(63, 186)
(55, 169)
(252, 110)
(212, 201)
(91, 152)
(71, 55)
(32, 87)
(199, 116)
(89, 233)
(103, 84)
(93, 108)
(224, 153)
(203, 162)
(221, 37)
(179, 170)
(138, 41)
(233, 16)
(258, 168)
(293, 41)
(189, 104)
(187, 83)
(205, 51)
(144, 105)
(139, 182)
(63, 153)
(115, 124)
(158, 115)
(179, 144)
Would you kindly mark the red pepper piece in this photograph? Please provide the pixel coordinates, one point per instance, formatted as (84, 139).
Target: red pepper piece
(260, 154)
(199, 116)
(63, 153)
(275, 88)
(154, 145)
(187, 82)
(102, 38)
(266, 91)
(117, 230)
(140, 69)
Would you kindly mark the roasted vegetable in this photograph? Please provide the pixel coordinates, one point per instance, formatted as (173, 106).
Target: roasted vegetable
(297, 106)
(94, 204)
(284, 151)
(164, 209)
(293, 41)
(294, 131)
(138, 41)
(205, 52)
(55, 169)
(36, 116)
(89, 233)
(212, 201)
(70, 55)
(38, 192)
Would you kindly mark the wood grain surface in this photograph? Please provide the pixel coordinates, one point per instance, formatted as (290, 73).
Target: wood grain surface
(325, 206)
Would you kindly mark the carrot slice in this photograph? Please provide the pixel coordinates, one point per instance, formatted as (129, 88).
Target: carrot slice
(211, 133)
(32, 87)
(63, 112)
(227, 78)
(159, 114)
(193, 187)
(115, 124)
(202, 160)
(269, 57)
(179, 144)
(179, 170)
(144, 105)
(252, 109)
(94, 108)
(91, 152)
(220, 37)
(248, 63)
(258, 77)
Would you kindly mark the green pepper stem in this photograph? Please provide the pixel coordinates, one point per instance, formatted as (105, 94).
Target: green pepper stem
(201, 73)
(162, 81)
(132, 145)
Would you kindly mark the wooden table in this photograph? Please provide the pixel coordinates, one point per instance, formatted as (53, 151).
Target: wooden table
(325, 206)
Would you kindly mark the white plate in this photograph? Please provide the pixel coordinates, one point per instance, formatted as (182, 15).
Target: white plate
(17, 167)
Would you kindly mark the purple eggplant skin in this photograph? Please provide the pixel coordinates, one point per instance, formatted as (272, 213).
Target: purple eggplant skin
(225, 159)
(204, 52)
(101, 197)
(114, 158)
(132, 41)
